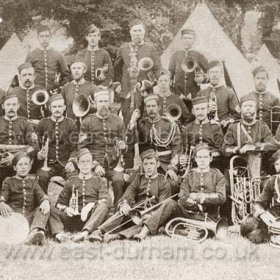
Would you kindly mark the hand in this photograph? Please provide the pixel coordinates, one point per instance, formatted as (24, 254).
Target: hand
(121, 145)
(215, 154)
(125, 209)
(191, 202)
(69, 212)
(70, 167)
(41, 154)
(99, 170)
(246, 148)
(268, 218)
(135, 115)
(194, 196)
(45, 207)
(7, 160)
(183, 160)
(182, 96)
(171, 173)
(86, 210)
(118, 89)
(213, 106)
(5, 210)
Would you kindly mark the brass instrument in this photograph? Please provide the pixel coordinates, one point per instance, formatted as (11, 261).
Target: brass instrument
(74, 202)
(196, 230)
(40, 97)
(213, 115)
(173, 112)
(82, 104)
(46, 151)
(119, 167)
(184, 169)
(145, 64)
(189, 65)
(6, 149)
(100, 73)
(274, 118)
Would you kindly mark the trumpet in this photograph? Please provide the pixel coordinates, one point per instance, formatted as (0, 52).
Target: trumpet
(213, 115)
(40, 97)
(185, 168)
(46, 151)
(74, 202)
(173, 112)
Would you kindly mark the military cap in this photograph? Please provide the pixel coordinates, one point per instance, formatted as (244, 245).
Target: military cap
(150, 153)
(187, 31)
(136, 22)
(7, 96)
(201, 146)
(150, 97)
(276, 156)
(92, 29)
(100, 92)
(248, 97)
(54, 97)
(214, 63)
(19, 156)
(42, 28)
(24, 66)
(82, 152)
(259, 69)
(199, 100)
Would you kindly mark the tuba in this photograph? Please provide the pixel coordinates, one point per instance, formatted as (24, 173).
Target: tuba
(145, 64)
(82, 104)
(40, 97)
(189, 65)
(173, 112)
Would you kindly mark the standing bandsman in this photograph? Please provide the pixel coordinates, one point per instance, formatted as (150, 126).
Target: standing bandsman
(103, 133)
(48, 63)
(99, 65)
(185, 83)
(127, 68)
(265, 99)
(222, 99)
(160, 134)
(28, 109)
(78, 86)
(60, 134)
(15, 130)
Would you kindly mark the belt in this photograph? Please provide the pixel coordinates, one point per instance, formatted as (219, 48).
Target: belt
(164, 153)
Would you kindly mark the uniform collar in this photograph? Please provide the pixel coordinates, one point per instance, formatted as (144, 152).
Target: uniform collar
(157, 119)
(217, 86)
(11, 119)
(248, 124)
(22, 86)
(44, 49)
(141, 44)
(203, 122)
(260, 92)
(57, 120)
(205, 170)
(165, 95)
(21, 179)
(80, 82)
(89, 48)
(85, 177)
(151, 177)
(100, 117)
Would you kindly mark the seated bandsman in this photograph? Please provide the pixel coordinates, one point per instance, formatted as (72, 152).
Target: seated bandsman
(160, 134)
(265, 99)
(167, 98)
(99, 69)
(22, 194)
(202, 130)
(146, 190)
(77, 87)
(223, 103)
(28, 109)
(255, 228)
(16, 134)
(83, 203)
(59, 137)
(103, 133)
(248, 134)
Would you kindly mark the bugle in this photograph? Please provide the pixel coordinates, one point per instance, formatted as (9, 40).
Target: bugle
(40, 97)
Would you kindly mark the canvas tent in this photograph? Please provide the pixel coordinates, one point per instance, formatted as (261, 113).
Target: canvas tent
(11, 56)
(212, 41)
(265, 58)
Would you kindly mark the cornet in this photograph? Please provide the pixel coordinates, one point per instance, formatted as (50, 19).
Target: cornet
(46, 151)
(213, 115)
(100, 73)
(74, 203)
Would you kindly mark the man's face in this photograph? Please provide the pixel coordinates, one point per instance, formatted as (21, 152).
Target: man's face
(200, 111)
(215, 75)
(164, 83)
(44, 38)
(93, 39)
(203, 158)
(261, 81)
(150, 166)
(102, 105)
(248, 109)
(57, 108)
(152, 109)
(85, 164)
(188, 40)
(11, 107)
(78, 70)
(27, 77)
(137, 33)
(277, 165)
(23, 167)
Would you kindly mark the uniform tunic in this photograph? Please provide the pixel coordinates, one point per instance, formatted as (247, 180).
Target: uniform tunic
(94, 60)
(227, 102)
(73, 89)
(48, 64)
(184, 82)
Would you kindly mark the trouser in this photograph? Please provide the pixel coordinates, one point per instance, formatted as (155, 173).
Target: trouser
(59, 221)
(7, 171)
(56, 169)
(37, 220)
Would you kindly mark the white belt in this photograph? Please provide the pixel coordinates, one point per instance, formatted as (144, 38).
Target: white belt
(163, 153)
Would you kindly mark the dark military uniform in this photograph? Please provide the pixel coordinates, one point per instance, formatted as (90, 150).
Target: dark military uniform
(122, 74)
(228, 107)
(28, 108)
(94, 60)
(99, 135)
(63, 139)
(73, 89)
(17, 131)
(89, 190)
(184, 82)
(140, 190)
(24, 196)
(47, 64)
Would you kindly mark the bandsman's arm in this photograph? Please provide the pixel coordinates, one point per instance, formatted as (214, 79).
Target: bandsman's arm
(64, 197)
(31, 139)
(110, 73)
(203, 62)
(157, 63)
(5, 191)
(63, 70)
(268, 141)
(165, 189)
(118, 65)
(218, 137)
(40, 196)
(230, 142)
(233, 106)
(103, 195)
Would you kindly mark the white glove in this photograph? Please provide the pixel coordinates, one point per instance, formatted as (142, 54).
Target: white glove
(86, 210)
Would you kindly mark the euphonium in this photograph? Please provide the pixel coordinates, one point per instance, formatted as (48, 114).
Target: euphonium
(173, 112)
(145, 64)
(40, 97)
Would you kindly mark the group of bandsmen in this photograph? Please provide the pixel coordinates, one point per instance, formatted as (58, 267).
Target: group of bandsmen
(186, 122)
